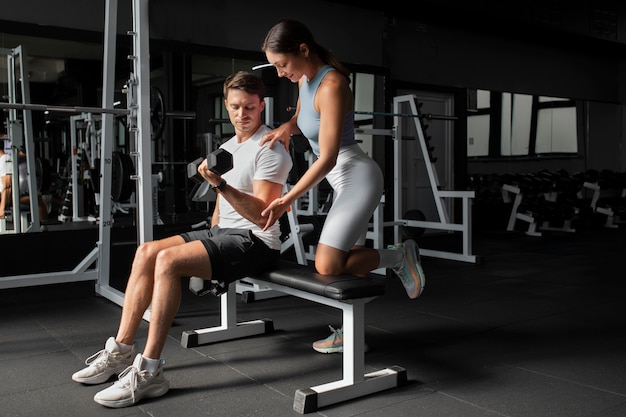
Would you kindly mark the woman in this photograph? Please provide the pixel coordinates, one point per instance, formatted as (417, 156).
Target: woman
(325, 116)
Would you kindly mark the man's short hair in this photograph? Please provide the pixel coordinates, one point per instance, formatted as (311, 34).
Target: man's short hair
(245, 81)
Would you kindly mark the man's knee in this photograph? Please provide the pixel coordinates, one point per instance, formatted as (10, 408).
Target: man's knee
(164, 261)
(146, 251)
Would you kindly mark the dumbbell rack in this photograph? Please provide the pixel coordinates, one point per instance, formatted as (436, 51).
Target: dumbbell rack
(534, 226)
(612, 218)
(547, 200)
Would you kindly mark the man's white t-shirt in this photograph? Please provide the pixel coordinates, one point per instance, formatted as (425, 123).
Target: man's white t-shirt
(6, 167)
(253, 162)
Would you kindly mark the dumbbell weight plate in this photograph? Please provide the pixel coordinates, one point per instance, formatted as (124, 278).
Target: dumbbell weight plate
(220, 161)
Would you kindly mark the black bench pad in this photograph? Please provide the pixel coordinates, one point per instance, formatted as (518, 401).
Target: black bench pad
(337, 287)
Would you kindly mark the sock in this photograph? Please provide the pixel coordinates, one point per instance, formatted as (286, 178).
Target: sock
(113, 346)
(389, 258)
(150, 365)
(123, 347)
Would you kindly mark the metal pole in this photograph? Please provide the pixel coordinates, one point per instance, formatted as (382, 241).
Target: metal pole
(429, 116)
(423, 116)
(75, 168)
(66, 109)
(29, 144)
(106, 163)
(15, 134)
(141, 62)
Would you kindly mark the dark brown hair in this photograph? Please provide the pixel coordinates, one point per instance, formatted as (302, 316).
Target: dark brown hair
(286, 36)
(245, 81)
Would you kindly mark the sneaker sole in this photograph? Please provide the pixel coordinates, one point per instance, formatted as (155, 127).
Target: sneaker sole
(329, 349)
(420, 274)
(336, 349)
(101, 378)
(416, 269)
(95, 380)
(152, 392)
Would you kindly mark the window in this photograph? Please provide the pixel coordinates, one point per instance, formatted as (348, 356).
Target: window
(514, 125)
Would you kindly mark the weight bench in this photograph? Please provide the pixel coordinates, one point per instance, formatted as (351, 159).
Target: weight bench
(345, 292)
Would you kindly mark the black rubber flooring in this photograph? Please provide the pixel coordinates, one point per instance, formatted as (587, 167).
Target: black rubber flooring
(537, 329)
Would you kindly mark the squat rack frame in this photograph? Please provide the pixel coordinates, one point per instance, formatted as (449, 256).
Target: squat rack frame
(139, 127)
(96, 265)
(464, 227)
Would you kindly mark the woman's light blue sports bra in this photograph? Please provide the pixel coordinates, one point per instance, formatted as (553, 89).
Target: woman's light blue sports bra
(309, 119)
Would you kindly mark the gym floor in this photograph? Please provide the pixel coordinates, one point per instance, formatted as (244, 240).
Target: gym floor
(536, 329)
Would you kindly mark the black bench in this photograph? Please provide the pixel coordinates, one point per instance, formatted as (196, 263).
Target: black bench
(345, 292)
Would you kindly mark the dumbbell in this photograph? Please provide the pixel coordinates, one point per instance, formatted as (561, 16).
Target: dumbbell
(201, 287)
(219, 161)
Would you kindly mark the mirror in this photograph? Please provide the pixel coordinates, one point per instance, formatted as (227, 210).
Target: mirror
(65, 75)
(57, 73)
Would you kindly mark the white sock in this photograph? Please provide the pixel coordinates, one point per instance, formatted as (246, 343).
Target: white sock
(389, 258)
(114, 346)
(123, 347)
(150, 365)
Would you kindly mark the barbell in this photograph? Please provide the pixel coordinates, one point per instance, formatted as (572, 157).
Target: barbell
(158, 113)
(426, 116)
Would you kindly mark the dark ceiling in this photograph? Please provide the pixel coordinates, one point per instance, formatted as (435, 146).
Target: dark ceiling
(598, 20)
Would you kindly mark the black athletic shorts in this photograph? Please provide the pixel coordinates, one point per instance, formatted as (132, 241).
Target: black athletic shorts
(234, 253)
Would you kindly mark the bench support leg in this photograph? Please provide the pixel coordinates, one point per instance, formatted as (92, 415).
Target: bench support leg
(229, 328)
(355, 382)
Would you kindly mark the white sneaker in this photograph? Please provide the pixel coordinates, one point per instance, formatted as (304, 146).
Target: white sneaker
(133, 384)
(103, 365)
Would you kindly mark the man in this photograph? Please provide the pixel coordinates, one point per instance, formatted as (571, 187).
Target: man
(236, 246)
(23, 187)
(6, 176)
(6, 185)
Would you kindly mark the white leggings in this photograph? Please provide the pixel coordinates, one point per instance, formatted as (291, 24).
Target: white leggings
(358, 185)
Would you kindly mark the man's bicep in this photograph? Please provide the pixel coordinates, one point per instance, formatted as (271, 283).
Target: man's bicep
(273, 164)
(267, 191)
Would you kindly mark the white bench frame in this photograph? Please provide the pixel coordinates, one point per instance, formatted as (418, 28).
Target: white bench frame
(355, 382)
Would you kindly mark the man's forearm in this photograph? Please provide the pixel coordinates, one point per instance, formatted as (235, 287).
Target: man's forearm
(247, 205)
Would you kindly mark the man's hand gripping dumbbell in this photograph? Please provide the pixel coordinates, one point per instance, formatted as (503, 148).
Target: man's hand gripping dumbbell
(211, 169)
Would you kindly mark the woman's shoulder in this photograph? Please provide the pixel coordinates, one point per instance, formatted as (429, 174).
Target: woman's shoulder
(333, 86)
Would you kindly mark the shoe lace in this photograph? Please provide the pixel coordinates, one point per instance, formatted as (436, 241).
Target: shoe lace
(335, 333)
(98, 359)
(400, 248)
(129, 378)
